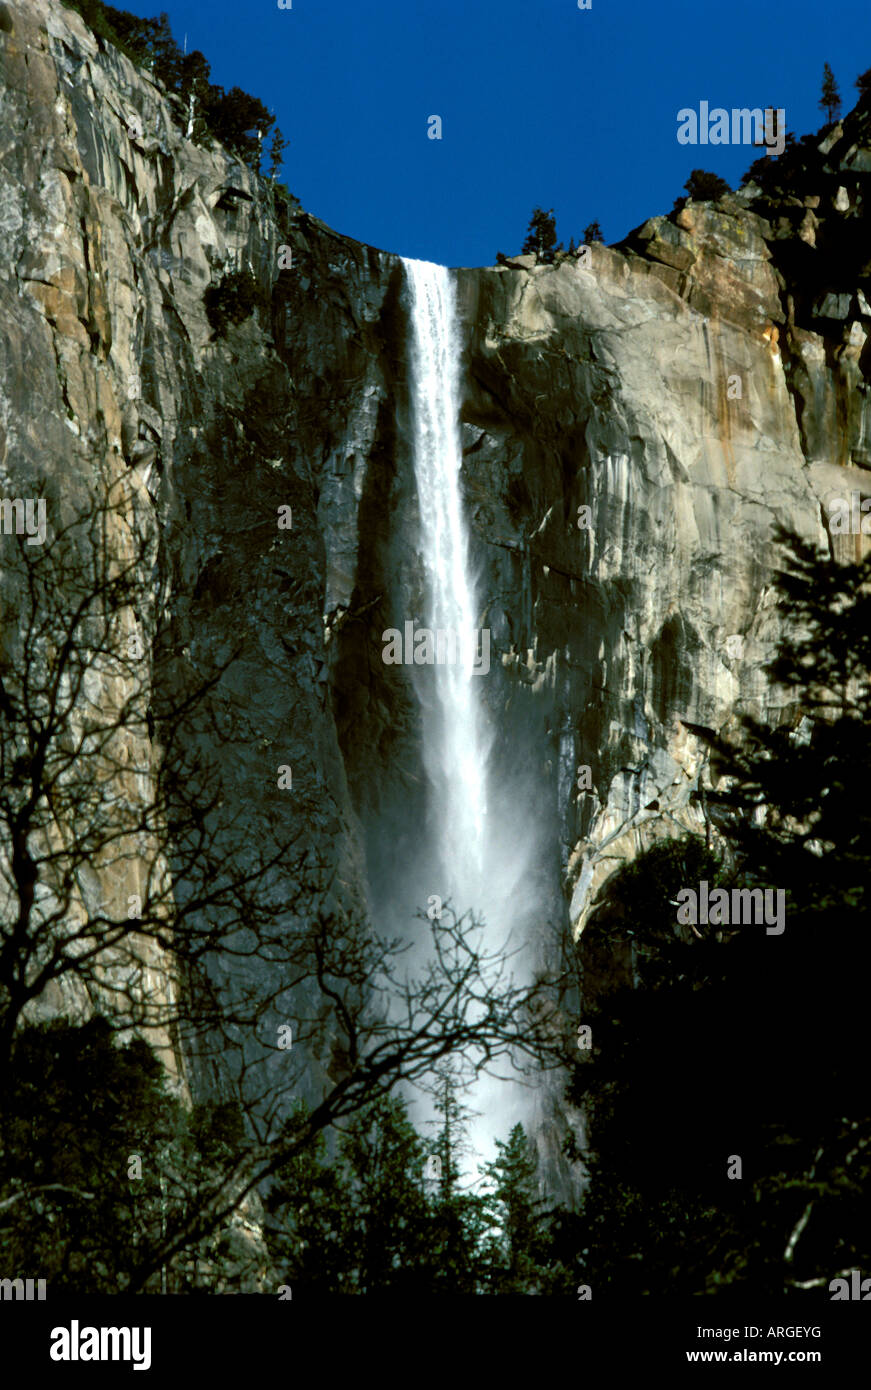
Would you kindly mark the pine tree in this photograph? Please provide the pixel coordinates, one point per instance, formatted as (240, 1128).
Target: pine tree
(386, 1238)
(516, 1248)
(97, 1159)
(541, 236)
(593, 233)
(709, 1049)
(458, 1216)
(311, 1220)
(450, 1142)
(195, 90)
(830, 98)
(276, 152)
(238, 120)
(359, 1223)
(705, 187)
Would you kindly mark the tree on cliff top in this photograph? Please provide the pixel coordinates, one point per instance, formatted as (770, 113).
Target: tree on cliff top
(240, 121)
(705, 187)
(276, 152)
(541, 236)
(830, 97)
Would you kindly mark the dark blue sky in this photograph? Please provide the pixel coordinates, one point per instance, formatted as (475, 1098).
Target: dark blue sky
(540, 102)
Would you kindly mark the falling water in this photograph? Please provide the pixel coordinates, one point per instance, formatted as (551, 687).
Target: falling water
(475, 859)
(456, 743)
(483, 858)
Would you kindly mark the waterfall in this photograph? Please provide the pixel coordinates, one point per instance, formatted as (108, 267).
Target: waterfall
(456, 742)
(477, 856)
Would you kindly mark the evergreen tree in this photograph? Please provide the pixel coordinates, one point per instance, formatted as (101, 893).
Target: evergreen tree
(830, 97)
(376, 1218)
(360, 1223)
(458, 1216)
(310, 1221)
(233, 299)
(239, 121)
(705, 1056)
(592, 233)
(705, 187)
(516, 1246)
(74, 1108)
(541, 236)
(385, 1156)
(451, 1144)
(96, 1160)
(798, 158)
(151, 41)
(276, 152)
(195, 88)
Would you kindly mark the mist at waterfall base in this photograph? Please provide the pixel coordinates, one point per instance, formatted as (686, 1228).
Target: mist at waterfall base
(478, 842)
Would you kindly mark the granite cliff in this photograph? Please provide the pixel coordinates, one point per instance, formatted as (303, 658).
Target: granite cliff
(691, 386)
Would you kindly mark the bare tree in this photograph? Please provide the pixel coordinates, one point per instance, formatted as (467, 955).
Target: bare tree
(117, 866)
(126, 876)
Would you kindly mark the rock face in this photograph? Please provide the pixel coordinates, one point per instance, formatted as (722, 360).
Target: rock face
(691, 387)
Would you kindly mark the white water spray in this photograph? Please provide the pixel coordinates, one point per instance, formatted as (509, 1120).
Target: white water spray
(456, 742)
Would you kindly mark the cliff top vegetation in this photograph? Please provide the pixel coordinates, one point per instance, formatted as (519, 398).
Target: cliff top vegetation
(237, 119)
